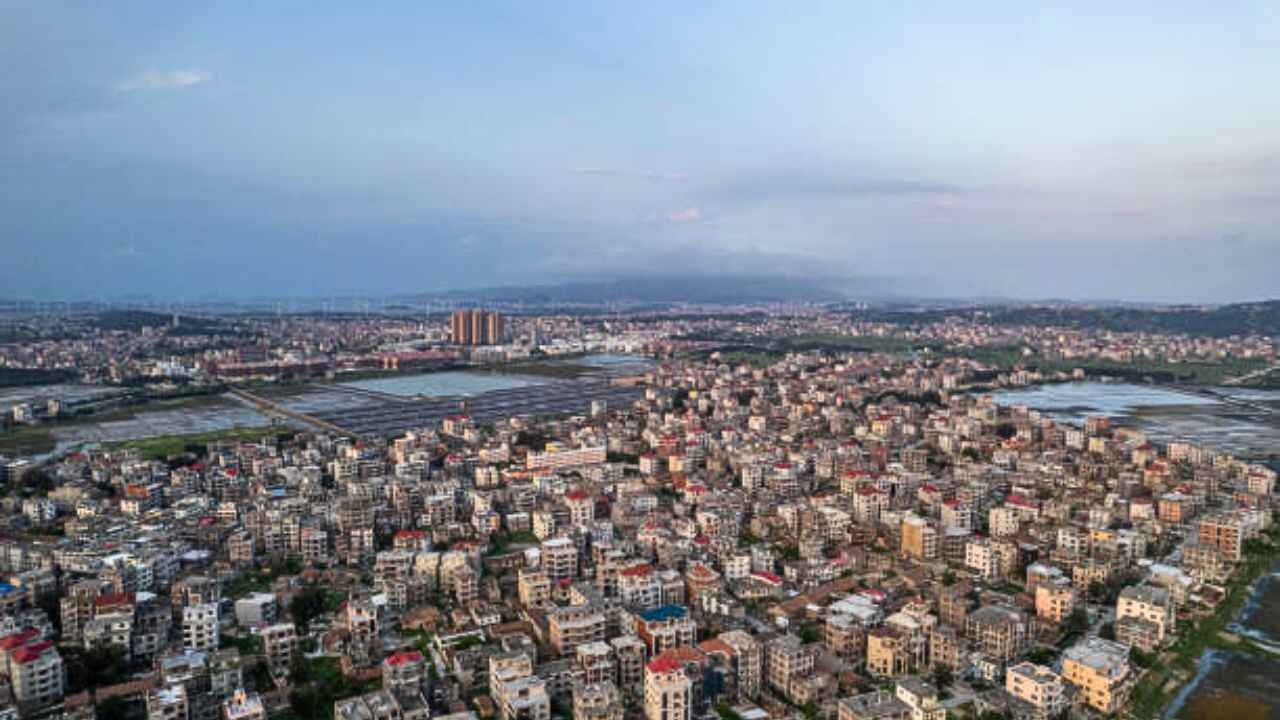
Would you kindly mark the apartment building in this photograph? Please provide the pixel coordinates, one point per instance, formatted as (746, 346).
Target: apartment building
(570, 627)
(919, 539)
(1144, 616)
(876, 705)
(597, 701)
(668, 691)
(785, 658)
(36, 674)
(517, 692)
(278, 643)
(559, 559)
(1055, 601)
(998, 631)
(200, 627)
(1041, 689)
(1100, 670)
(1224, 532)
(168, 703)
(665, 628)
(889, 653)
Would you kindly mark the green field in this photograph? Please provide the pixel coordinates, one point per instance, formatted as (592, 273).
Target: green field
(165, 446)
(27, 440)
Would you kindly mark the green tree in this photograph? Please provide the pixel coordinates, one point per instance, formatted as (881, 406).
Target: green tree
(307, 606)
(942, 676)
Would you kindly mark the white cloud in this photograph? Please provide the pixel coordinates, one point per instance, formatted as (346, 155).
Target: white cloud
(635, 174)
(687, 215)
(165, 80)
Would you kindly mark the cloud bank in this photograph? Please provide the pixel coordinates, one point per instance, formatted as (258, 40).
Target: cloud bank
(153, 80)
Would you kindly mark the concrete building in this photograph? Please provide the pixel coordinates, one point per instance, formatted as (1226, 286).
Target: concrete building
(876, 705)
(1040, 688)
(1144, 616)
(569, 627)
(668, 691)
(1100, 670)
(665, 628)
(919, 539)
(597, 701)
(200, 627)
(998, 631)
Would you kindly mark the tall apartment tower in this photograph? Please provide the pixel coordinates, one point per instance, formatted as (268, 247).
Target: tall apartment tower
(460, 327)
(476, 327)
(494, 328)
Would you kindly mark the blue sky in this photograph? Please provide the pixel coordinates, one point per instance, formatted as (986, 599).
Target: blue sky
(999, 149)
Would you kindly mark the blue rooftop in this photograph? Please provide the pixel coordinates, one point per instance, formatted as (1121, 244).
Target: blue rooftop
(664, 613)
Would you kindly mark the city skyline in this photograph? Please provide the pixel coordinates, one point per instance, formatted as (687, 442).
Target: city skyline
(991, 150)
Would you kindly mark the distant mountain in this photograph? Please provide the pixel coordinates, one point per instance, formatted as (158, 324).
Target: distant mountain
(1254, 318)
(667, 289)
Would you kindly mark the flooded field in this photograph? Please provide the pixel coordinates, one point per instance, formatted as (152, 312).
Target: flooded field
(1240, 421)
(450, 384)
(208, 417)
(1236, 685)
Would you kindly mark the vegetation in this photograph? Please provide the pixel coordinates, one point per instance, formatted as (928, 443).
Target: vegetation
(501, 542)
(1149, 698)
(318, 683)
(27, 440)
(246, 644)
(93, 668)
(166, 446)
(24, 377)
(310, 604)
(1260, 318)
(261, 579)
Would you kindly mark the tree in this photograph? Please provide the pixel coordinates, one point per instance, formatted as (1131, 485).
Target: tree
(942, 676)
(1079, 620)
(1097, 590)
(307, 606)
(1041, 655)
(1139, 658)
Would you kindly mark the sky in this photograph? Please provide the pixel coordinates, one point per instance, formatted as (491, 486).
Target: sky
(1126, 151)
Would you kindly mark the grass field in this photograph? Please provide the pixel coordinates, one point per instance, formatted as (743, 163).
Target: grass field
(165, 446)
(30, 440)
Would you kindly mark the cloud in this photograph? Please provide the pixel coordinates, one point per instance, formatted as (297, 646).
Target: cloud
(637, 174)
(688, 215)
(165, 80)
(756, 188)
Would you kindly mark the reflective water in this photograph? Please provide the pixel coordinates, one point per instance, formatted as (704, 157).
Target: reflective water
(1242, 422)
(459, 382)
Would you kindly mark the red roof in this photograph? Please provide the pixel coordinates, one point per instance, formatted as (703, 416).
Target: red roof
(1019, 501)
(400, 658)
(18, 639)
(768, 577)
(30, 653)
(577, 495)
(636, 571)
(664, 664)
(416, 534)
(113, 599)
